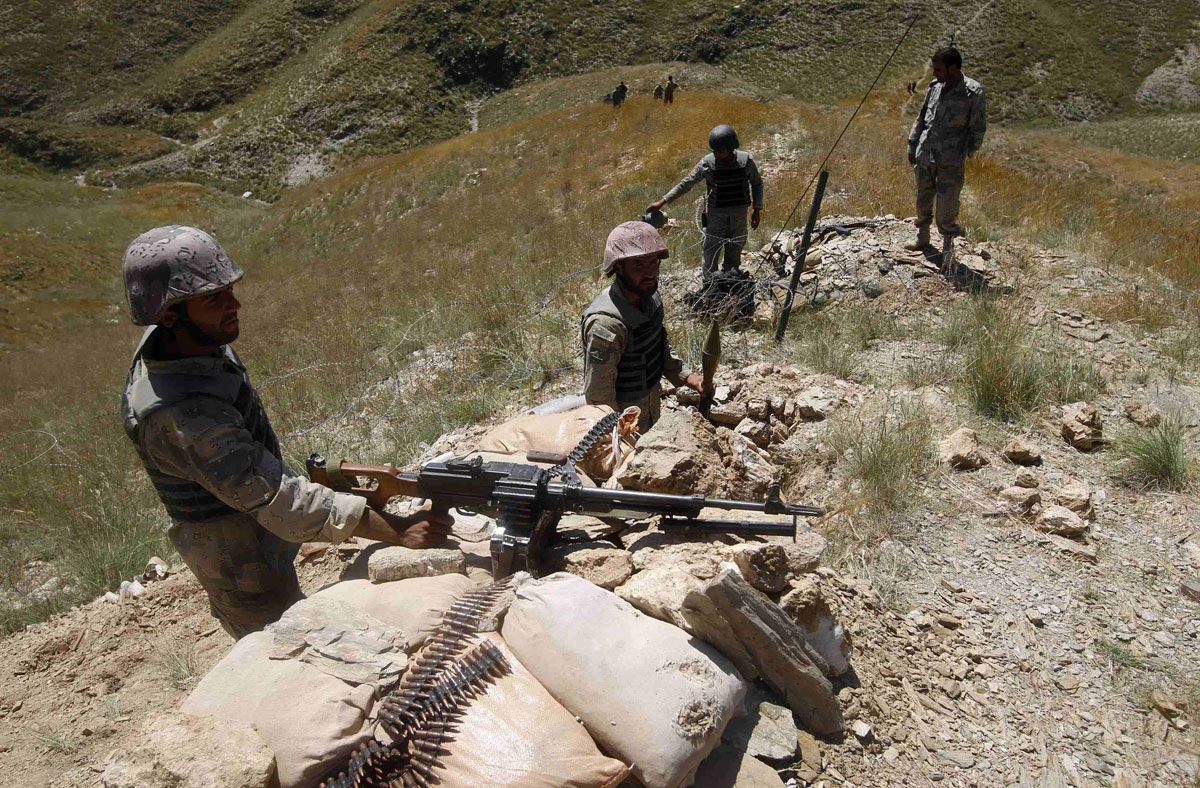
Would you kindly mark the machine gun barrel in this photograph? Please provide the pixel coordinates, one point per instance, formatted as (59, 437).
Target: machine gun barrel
(597, 501)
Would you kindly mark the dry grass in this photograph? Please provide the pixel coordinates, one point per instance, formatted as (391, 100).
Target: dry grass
(1158, 456)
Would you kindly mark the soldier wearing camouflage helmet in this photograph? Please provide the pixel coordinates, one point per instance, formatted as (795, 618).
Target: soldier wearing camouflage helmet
(733, 186)
(238, 514)
(625, 346)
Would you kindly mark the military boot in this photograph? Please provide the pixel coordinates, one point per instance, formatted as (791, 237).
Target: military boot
(922, 241)
(947, 252)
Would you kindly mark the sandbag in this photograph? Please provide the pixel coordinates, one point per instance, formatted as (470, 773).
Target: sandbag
(513, 734)
(647, 692)
(560, 433)
(311, 720)
(413, 606)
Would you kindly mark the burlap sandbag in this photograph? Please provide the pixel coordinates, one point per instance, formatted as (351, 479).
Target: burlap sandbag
(414, 606)
(561, 432)
(311, 720)
(514, 735)
(647, 692)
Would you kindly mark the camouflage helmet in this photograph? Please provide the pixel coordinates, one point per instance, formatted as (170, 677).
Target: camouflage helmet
(169, 264)
(632, 239)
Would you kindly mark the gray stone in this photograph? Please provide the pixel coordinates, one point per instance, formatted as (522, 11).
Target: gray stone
(1060, 520)
(660, 592)
(806, 606)
(1081, 426)
(961, 450)
(1027, 479)
(1142, 413)
(176, 751)
(758, 409)
(726, 767)
(1076, 496)
(597, 562)
(677, 456)
(871, 288)
(748, 468)
(727, 414)
(959, 758)
(700, 557)
(757, 432)
(816, 403)
(765, 566)
(767, 731)
(804, 554)
(337, 638)
(1019, 500)
(778, 649)
(1020, 451)
(401, 563)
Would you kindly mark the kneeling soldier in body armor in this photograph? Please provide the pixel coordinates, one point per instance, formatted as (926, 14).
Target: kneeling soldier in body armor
(733, 186)
(238, 513)
(625, 347)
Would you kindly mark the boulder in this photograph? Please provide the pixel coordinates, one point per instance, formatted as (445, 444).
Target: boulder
(816, 403)
(1076, 496)
(677, 456)
(757, 432)
(779, 406)
(400, 563)
(778, 648)
(596, 562)
(806, 606)
(727, 767)
(700, 558)
(1061, 521)
(1081, 426)
(765, 566)
(871, 288)
(176, 751)
(1019, 500)
(767, 730)
(804, 553)
(961, 450)
(1021, 451)
(1142, 413)
(728, 414)
(758, 409)
(748, 468)
(1027, 479)
(659, 593)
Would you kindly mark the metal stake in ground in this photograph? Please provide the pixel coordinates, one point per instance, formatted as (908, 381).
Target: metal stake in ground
(798, 268)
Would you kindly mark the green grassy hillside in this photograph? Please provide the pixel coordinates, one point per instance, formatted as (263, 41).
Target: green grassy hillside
(261, 93)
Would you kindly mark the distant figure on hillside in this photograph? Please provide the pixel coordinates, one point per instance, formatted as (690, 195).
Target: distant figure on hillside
(912, 87)
(607, 98)
(733, 186)
(619, 93)
(238, 514)
(626, 353)
(669, 90)
(948, 129)
(658, 91)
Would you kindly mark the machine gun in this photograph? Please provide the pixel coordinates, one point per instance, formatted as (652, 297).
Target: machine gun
(527, 501)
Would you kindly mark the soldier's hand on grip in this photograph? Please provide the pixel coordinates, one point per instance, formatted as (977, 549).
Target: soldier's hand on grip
(422, 528)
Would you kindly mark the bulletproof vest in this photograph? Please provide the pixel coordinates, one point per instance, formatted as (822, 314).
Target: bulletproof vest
(728, 185)
(153, 385)
(640, 368)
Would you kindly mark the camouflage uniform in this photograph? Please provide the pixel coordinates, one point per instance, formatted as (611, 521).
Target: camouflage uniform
(669, 91)
(949, 127)
(238, 513)
(733, 185)
(606, 327)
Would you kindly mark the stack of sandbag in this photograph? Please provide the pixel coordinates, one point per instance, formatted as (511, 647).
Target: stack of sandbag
(513, 734)
(307, 691)
(646, 691)
(561, 433)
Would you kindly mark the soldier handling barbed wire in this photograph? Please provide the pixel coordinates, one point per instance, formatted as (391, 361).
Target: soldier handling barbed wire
(948, 129)
(626, 353)
(733, 186)
(238, 514)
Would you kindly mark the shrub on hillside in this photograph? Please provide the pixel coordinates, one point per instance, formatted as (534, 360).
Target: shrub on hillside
(1158, 456)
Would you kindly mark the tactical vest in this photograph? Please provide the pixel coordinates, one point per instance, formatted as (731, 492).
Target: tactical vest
(728, 184)
(153, 385)
(640, 368)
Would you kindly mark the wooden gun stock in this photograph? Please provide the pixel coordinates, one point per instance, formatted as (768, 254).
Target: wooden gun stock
(389, 480)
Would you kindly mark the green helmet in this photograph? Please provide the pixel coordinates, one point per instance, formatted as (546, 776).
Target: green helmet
(170, 264)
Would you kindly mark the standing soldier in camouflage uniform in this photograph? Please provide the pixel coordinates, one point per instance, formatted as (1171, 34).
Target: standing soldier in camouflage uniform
(625, 349)
(658, 91)
(669, 90)
(619, 93)
(238, 513)
(733, 185)
(949, 128)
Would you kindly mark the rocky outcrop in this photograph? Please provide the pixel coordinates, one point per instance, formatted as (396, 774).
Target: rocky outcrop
(597, 562)
(961, 450)
(677, 456)
(1081, 426)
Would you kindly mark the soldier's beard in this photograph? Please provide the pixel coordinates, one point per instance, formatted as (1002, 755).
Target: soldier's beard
(643, 290)
(211, 337)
